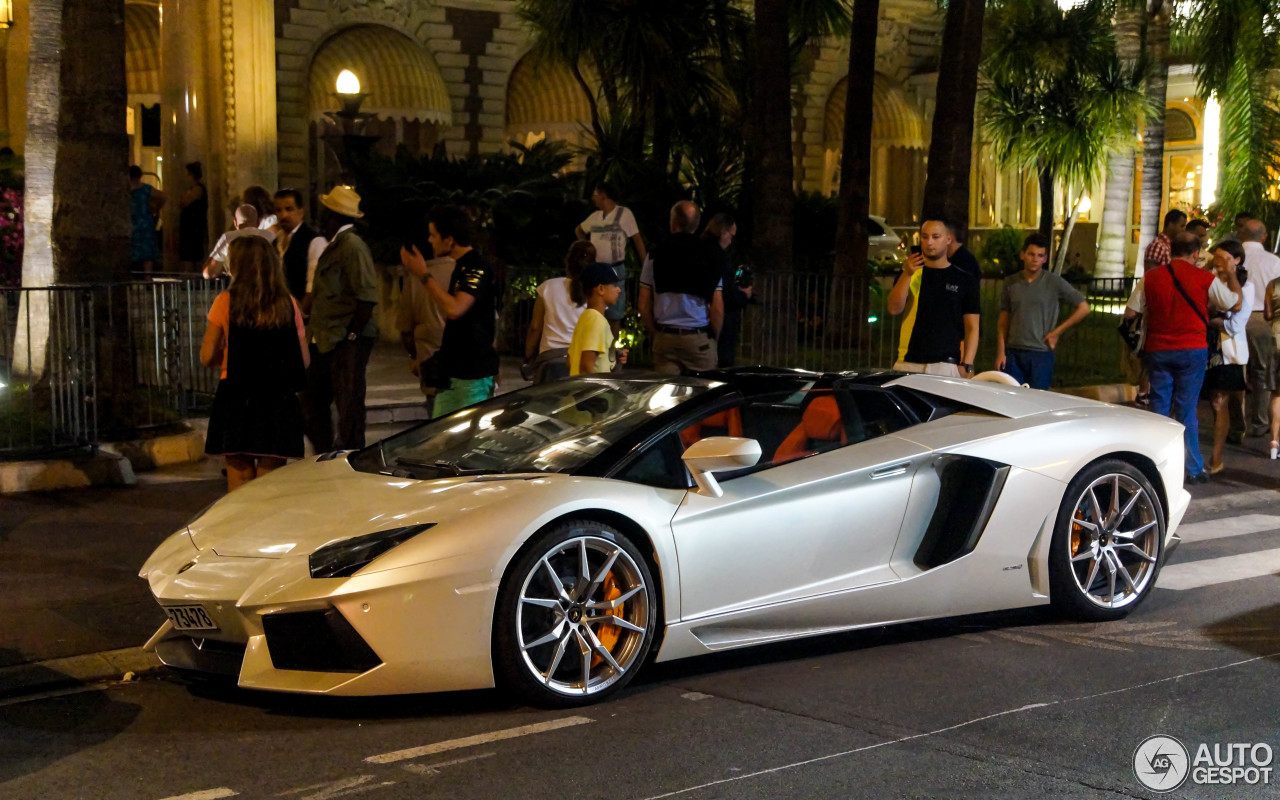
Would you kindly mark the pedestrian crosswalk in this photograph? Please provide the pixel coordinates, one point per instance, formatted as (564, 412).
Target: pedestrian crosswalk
(1189, 571)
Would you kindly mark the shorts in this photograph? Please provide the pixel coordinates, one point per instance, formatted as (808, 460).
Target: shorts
(618, 311)
(462, 393)
(944, 368)
(1225, 378)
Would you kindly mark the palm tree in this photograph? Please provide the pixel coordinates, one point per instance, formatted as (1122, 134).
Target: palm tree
(1158, 18)
(1120, 166)
(946, 188)
(774, 192)
(1057, 97)
(855, 162)
(1235, 48)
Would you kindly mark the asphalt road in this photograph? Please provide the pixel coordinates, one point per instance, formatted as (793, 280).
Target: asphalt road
(1009, 705)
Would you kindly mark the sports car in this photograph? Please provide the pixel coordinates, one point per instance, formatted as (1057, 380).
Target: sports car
(555, 539)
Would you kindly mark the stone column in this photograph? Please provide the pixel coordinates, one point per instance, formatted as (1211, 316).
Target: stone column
(189, 67)
(248, 71)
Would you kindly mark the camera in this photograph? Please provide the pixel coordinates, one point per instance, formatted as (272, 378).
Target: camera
(744, 277)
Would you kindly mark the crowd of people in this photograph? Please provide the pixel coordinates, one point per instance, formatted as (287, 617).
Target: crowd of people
(1210, 317)
(298, 317)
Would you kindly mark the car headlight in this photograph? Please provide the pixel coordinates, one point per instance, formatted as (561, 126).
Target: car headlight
(342, 559)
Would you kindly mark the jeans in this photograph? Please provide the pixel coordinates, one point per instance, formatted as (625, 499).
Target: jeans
(460, 394)
(337, 377)
(1032, 367)
(1176, 378)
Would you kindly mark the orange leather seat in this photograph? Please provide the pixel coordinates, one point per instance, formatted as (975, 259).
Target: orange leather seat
(821, 423)
(724, 423)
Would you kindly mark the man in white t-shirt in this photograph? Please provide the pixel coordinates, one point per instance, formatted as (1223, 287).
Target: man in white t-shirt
(246, 225)
(609, 229)
(1263, 268)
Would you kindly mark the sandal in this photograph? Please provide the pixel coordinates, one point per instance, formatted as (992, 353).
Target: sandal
(1214, 469)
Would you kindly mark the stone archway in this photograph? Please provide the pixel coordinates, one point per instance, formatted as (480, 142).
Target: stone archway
(898, 142)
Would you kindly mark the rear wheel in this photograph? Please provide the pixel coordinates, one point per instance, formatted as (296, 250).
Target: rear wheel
(576, 616)
(1107, 543)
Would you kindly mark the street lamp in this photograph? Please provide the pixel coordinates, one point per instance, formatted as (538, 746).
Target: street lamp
(6, 14)
(348, 88)
(349, 143)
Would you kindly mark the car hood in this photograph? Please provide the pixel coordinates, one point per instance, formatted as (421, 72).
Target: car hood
(302, 507)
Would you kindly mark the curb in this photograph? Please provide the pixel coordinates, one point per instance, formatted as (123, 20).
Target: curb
(162, 451)
(62, 673)
(103, 469)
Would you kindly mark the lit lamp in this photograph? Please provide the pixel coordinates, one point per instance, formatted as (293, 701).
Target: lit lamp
(348, 92)
(1083, 207)
(6, 14)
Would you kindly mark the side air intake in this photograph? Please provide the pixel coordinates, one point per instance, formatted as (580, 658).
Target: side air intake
(969, 491)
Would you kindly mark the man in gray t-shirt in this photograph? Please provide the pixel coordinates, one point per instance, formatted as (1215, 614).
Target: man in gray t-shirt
(1028, 328)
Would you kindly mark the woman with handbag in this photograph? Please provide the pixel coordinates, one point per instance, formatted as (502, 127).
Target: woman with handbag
(256, 334)
(1224, 379)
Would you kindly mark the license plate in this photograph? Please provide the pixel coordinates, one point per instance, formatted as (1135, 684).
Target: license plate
(190, 618)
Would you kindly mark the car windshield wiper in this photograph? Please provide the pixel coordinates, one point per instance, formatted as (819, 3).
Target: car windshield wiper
(442, 464)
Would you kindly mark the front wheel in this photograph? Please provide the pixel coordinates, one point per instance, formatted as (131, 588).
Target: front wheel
(1107, 543)
(576, 616)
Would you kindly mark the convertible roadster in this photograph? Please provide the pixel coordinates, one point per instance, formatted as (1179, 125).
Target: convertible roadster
(554, 539)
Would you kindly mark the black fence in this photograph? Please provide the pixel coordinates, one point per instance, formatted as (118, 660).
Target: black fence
(49, 373)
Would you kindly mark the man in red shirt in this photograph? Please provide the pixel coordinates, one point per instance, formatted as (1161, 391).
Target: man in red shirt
(1158, 252)
(1177, 300)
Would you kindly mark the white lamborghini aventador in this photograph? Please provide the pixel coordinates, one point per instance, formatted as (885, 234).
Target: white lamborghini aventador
(554, 539)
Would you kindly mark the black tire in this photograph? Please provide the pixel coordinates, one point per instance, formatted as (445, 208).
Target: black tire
(534, 672)
(1073, 537)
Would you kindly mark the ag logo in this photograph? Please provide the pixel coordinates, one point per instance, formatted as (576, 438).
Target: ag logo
(1161, 763)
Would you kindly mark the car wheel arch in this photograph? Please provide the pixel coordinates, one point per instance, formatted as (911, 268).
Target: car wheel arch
(1144, 465)
(625, 525)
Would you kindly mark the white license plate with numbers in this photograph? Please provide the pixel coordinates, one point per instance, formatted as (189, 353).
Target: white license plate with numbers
(190, 618)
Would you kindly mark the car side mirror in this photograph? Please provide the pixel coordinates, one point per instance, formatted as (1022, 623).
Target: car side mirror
(719, 454)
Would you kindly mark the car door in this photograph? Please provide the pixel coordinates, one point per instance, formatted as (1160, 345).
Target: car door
(813, 517)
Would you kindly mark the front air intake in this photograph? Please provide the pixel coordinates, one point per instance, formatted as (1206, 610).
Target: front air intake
(317, 641)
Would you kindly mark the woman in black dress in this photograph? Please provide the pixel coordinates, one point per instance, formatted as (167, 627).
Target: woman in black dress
(256, 334)
(193, 220)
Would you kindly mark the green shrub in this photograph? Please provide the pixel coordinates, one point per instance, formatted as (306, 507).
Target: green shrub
(1000, 250)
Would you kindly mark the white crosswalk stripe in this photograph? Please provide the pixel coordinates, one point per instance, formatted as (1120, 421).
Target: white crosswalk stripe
(1231, 526)
(1183, 575)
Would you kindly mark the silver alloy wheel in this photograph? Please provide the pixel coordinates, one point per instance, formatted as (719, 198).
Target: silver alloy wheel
(582, 616)
(1114, 541)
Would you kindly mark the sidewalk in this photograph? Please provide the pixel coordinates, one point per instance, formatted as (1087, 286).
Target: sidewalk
(69, 560)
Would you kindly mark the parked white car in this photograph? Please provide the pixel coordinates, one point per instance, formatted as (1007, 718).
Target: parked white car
(555, 539)
(883, 241)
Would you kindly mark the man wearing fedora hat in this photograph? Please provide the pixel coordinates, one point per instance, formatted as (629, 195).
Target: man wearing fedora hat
(344, 292)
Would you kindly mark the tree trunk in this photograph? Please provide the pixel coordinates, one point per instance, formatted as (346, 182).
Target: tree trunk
(774, 192)
(1153, 136)
(1046, 204)
(946, 190)
(1114, 238)
(1069, 225)
(855, 162)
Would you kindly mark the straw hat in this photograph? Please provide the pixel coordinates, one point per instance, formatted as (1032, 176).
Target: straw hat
(343, 200)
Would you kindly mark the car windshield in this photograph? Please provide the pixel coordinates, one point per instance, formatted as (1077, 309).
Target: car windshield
(553, 427)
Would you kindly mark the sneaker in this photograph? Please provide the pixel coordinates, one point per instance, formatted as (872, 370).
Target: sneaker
(1275, 450)
(1203, 477)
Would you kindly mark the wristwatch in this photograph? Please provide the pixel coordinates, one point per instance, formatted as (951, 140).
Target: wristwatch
(351, 336)
(967, 367)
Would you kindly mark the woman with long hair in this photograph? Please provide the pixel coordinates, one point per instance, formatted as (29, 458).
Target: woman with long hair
(555, 313)
(1225, 381)
(256, 335)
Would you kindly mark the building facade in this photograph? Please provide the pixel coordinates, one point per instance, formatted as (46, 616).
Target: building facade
(247, 87)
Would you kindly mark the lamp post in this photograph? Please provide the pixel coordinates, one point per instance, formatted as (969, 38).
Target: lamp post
(349, 144)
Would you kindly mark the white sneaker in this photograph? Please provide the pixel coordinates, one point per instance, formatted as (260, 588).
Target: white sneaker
(1275, 450)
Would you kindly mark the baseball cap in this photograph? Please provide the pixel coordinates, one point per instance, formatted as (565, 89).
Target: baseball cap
(598, 275)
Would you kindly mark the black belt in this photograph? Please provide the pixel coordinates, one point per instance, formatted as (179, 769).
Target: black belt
(684, 331)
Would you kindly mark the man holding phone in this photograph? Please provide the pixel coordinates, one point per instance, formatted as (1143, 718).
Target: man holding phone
(943, 336)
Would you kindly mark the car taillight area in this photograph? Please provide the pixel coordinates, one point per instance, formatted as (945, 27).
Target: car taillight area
(317, 641)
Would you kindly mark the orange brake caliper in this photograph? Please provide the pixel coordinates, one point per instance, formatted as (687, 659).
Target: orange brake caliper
(608, 633)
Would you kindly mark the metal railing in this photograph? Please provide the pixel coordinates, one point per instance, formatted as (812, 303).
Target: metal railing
(48, 370)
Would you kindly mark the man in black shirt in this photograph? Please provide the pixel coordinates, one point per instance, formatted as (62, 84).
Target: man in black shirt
(944, 336)
(466, 356)
(959, 255)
